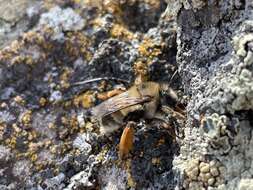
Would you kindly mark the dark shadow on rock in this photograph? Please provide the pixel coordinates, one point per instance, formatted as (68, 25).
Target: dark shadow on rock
(154, 151)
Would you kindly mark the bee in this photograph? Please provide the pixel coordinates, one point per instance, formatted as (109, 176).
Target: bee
(142, 100)
(139, 101)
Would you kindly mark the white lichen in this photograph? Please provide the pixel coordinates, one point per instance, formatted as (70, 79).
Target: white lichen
(62, 20)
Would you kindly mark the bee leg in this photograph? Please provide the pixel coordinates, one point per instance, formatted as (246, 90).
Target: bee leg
(176, 114)
(108, 127)
(126, 140)
(160, 116)
(178, 118)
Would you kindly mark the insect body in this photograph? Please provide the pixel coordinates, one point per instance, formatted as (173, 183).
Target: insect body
(142, 98)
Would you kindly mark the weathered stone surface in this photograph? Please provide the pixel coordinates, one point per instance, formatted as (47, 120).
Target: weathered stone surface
(14, 19)
(203, 49)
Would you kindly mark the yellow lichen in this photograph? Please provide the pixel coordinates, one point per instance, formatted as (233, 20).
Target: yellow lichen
(47, 143)
(101, 156)
(53, 149)
(121, 32)
(26, 118)
(51, 126)
(149, 49)
(16, 129)
(130, 181)
(112, 6)
(31, 40)
(86, 99)
(77, 44)
(42, 101)
(34, 157)
(65, 77)
(19, 100)
(2, 129)
(89, 127)
(156, 161)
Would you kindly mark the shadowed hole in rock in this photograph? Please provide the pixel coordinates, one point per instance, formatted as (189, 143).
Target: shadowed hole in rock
(153, 154)
(141, 16)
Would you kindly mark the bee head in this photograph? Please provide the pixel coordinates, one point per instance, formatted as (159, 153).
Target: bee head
(168, 95)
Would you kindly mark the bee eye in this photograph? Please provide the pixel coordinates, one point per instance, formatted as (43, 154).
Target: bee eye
(163, 92)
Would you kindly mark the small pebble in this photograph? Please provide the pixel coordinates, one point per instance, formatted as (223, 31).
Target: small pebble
(205, 168)
(211, 181)
(214, 171)
(206, 177)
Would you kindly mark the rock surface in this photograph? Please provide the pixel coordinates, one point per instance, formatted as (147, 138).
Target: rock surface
(204, 49)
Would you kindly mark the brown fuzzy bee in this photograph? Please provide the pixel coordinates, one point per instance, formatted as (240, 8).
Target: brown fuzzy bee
(141, 100)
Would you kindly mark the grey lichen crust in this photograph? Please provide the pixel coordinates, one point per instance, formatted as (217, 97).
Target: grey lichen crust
(220, 80)
(46, 138)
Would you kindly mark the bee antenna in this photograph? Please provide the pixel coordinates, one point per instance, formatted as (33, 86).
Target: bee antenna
(172, 77)
(100, 79)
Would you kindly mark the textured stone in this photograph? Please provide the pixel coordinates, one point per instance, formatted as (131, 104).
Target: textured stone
(49, 142)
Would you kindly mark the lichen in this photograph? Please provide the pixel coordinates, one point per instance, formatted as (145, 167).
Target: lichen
(62, 20)
(203, 50)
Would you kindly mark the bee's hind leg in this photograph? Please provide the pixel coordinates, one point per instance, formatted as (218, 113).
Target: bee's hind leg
(126, 140)
(165, 123)
(177, 118)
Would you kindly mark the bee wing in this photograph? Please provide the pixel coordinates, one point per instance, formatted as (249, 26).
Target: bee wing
(117, 103)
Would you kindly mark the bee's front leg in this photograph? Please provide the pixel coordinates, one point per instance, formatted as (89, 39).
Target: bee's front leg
(166, 124)
(172, 121)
